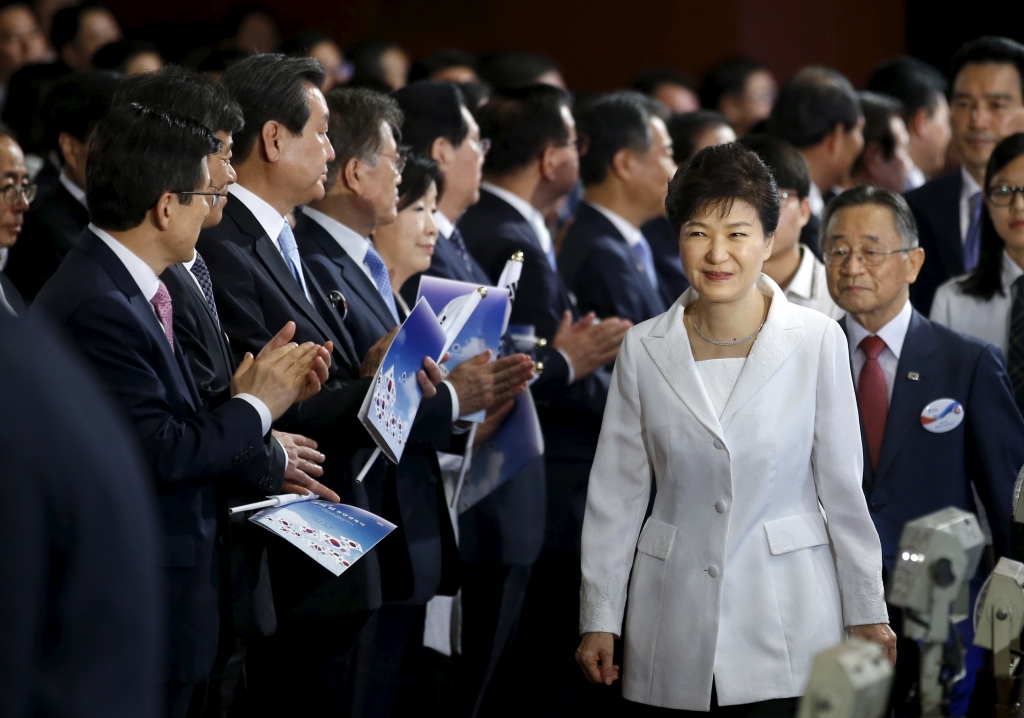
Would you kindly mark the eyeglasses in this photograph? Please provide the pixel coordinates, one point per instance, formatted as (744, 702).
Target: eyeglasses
(1003, 195)
(398, 160)
(15, 192)
(783, 196)
(213, 202)
(867, 257)
(482, 146)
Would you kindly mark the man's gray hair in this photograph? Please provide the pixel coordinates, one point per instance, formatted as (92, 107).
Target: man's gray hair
(868, 194)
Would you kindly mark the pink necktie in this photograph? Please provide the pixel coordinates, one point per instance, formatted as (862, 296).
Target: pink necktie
(161, 301)
(873, 397)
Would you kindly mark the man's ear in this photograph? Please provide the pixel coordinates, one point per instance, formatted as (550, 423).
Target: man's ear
(835, 138)
(271, 135)
(917, 124)
(164, 210)
(351, 175)
(68, 145)
(623, 163)
(873, 158)
(729, 105)
(915, 260)
(441, 151)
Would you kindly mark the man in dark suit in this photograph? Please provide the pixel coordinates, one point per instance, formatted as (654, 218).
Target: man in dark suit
(532, 163)
(79, 101)
(908, 371)
(986, 105)
(626, 167)
(259, 280)
(108, 298)
(818, 112)
(81, 612)
(15, 196)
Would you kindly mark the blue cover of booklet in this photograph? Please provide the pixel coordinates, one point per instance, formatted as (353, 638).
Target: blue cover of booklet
(333, 535)
(390, 407)
(482, 331)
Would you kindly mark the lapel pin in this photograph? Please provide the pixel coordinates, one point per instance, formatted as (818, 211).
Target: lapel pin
(337, 298)
(913, 376)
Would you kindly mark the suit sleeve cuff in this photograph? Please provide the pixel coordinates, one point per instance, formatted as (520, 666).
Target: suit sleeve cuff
(265, 419)
(568, 362)
(455, 400)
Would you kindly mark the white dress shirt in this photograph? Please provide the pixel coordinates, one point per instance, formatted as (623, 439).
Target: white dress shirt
(73, 189)
(809, 287)
(915, 178)
(529, 212)
(269, 218)
(149, 284)
(630, 233)
(986, 319)
(816, 200)
(892, 334)
(445, 226)
(968, 190)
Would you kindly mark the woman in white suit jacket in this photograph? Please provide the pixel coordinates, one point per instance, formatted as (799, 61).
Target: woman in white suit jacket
(740, 405)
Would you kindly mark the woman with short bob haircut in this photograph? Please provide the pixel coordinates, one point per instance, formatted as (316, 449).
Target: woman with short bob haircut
(740, 405)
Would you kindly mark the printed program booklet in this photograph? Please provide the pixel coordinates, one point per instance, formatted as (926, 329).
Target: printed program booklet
(333, 535)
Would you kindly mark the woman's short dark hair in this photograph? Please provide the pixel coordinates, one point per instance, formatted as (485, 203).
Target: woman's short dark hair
(987, 278)
(787, 163)
(418, 175)
(717, 176)
(136, 155)
(684, 129)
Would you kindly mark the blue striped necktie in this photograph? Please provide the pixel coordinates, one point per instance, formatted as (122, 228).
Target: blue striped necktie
(290, 250)
(379, 272)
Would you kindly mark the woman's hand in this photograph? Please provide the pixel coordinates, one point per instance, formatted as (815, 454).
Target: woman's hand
(595, 658)
(881, 634)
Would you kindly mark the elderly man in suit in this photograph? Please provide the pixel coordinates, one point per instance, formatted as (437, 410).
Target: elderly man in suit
(986, 106)
(626, 166)
(908, 370)
(108, 298)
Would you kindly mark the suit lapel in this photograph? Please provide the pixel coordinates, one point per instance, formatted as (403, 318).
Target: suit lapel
(602, 225)
(193, 287)
(781, 335)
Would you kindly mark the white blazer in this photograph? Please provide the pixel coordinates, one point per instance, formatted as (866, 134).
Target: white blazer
(735, 575)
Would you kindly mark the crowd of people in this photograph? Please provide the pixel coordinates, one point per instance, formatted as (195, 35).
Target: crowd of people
(747, 307)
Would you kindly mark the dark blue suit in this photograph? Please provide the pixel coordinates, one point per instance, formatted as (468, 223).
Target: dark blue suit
(664, 241)
(81, 609)
(936, 207)
(96, 301)
(920, 472)
(604, 271)
(448, 263)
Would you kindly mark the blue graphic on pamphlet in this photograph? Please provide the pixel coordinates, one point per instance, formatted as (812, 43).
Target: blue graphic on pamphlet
(390, 407)
(482, 331)
(513, 445)
(333, 535)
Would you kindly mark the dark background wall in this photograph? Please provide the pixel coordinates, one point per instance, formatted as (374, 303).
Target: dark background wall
(601, 43)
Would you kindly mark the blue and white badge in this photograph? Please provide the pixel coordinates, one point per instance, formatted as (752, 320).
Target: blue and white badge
(942, 415)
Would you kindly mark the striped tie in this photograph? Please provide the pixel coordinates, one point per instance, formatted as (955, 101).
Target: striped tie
(1015, 353)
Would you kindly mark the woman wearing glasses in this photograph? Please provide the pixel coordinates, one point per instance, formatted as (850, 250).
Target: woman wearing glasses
(984, 303)
(740, 405)
(16, 194)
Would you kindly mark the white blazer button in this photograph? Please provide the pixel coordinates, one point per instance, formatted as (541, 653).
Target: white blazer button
(720, 507)
(713, 571)
(718, 444)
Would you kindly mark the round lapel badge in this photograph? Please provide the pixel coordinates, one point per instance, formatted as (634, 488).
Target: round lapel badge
(942, 415)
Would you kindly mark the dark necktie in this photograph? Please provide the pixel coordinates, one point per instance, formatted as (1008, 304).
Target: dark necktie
(972, 242)
(1015, 352)
(161, 301)
(460, 246)
(202, 274)
(873, 397)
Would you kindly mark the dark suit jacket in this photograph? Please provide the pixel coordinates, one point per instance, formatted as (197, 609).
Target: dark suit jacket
(50, 230)
(919, 471)
(809, 235)
(672, 282)
(81, 610)
(603, 271)
(570, 415)
(448, 264)
(101, 308)
(247, 603)
(256, 295)
(430, 551)
(12, 295)
(936, 207)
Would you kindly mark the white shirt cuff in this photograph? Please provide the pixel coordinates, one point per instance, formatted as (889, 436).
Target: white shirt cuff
(265, 418)
(455, 400)
(572, 374)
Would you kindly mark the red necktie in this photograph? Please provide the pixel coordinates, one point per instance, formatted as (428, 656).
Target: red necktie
(873, 397)
(161, 301)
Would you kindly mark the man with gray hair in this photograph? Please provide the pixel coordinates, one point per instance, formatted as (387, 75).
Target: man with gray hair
(938, 420)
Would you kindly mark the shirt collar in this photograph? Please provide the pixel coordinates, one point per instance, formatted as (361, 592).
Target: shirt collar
(970, 185)
(188, 265)
(1011, 270)
(529, 212)
(141, 272)
(816, 200)
(354, 245)
(445, 226)
(73, 189)
(803, 281)
(269, 218)
(892, 333)
(630, 233)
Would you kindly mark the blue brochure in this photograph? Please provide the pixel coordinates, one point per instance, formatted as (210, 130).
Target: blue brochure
(333, 535)
(514, 444)
(390, 406)
(482, 331)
